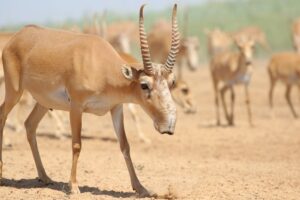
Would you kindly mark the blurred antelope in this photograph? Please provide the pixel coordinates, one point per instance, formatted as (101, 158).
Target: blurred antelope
(182, 95)
(159, 42)
(255, 33)
(118, 34)
(217, 42)
(81, 73)
(188, 53)
(4, 38)
(296, 34)
(230, 69)
(284, 67)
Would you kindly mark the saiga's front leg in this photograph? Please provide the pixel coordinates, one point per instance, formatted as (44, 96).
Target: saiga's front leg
(75, 120)
(232, 105)
(117, 118)
(288, 99)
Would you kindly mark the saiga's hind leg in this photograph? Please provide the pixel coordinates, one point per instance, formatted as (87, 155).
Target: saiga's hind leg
(248, 104)
(288, 99)
(10, 101)
(13, 92)
(137, 122)
(232, 97)
(271, 90)
(215, 85)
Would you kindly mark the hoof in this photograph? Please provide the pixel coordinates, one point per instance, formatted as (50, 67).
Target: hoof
(1, 170)
(230, 123)
(142, 192)
(45, 179)
(74, 189)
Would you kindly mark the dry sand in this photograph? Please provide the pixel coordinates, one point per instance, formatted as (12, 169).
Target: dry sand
(201, 161)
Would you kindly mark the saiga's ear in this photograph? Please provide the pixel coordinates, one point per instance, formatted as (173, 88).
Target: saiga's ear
(129, 72)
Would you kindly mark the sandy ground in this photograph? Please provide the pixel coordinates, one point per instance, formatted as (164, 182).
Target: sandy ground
(201, 161)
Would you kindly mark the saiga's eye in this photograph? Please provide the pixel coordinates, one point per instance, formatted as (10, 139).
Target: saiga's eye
(144, 86)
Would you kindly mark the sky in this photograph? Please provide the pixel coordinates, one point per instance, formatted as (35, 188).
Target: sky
(15, 12)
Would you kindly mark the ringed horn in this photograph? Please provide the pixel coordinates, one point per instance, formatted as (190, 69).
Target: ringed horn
(145, 47)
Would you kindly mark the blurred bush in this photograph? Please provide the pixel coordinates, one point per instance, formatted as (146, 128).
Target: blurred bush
(274, 17)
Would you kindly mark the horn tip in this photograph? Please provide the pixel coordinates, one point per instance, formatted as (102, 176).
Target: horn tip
(175, 9)
(142, 9)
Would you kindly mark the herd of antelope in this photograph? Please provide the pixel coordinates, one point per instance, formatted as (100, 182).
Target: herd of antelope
(92, 71)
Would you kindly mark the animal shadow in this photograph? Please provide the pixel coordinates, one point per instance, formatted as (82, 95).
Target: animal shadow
(62, 187)
(84, 137)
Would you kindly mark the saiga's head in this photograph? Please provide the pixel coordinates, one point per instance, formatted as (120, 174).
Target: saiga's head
(246, 46)
(190, 50)
(154, 80)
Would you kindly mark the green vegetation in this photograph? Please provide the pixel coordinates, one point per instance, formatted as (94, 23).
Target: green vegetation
(274, 17)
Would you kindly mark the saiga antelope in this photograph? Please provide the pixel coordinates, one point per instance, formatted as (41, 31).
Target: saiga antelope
(118, 34)
(188, 51)
(82, 73)
(188, 55)
(182, 95)
(284, 67)
(230, 69)
(217, 42)
(255, 33)
(159, 42)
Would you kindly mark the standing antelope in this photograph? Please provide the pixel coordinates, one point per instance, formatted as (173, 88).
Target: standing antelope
(284, 67)
(217, 42)
(296, 34)
(83, 74)
(118, 34)
(4, 38)
(188, 53)
(159, 42)
(232, 68)
(182, 95)
(255, 33)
